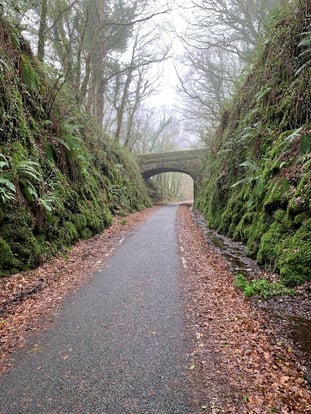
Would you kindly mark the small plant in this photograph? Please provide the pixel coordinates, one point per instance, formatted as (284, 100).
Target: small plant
(47, 201)
(7, 188)
(305, 44)
(261, 287)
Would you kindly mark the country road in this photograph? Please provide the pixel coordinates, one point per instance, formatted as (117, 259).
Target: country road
(118, 345)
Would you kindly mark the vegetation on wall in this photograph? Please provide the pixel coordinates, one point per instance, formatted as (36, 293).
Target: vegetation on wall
(258, 185)
(60, 179)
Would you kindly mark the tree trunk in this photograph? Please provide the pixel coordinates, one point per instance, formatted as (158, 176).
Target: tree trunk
(42, 30)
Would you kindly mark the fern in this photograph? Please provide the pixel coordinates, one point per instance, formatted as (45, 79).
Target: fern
(250, 178)
(69, 138)
(7, 188)
(305, 43)
(47, 201)
(26, 170)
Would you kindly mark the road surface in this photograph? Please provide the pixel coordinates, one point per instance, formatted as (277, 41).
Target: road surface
(118, 344)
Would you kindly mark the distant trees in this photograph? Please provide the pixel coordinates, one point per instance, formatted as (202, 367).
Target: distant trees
(112, 51)
(108, 50)
(218, 41)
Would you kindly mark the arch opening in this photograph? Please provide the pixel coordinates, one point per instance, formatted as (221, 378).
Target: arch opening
(171, 186)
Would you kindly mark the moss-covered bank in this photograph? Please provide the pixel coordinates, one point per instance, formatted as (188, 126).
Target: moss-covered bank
(258, 175)
(60, 180)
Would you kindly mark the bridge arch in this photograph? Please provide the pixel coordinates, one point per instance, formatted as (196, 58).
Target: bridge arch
(190, 162)
(150, 173)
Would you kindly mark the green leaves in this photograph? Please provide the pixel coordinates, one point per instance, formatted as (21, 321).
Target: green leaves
(7, 188)
(27, 174)
(255, 176)
(69, 135)
(26, 169)
(293, 135)
(47, 201)
(305, 44)
(262, 287)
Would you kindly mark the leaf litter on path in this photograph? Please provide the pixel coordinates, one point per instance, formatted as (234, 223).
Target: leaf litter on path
(241, 363)
(237, 362)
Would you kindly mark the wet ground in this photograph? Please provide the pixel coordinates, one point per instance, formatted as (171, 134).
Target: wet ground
(290, 315)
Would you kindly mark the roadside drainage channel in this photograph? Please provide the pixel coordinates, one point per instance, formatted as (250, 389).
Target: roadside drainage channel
(292, 314)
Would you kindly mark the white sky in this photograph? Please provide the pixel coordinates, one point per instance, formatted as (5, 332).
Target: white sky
(167, 95)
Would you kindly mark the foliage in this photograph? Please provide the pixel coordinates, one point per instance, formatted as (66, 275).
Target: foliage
(258, 184)
(305, 44)
(56, 169)
(7, 188)
(261, 287)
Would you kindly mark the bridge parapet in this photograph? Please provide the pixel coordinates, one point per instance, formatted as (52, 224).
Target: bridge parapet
(189, 162)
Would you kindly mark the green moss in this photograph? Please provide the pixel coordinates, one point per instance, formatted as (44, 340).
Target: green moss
(295, 257)
(19, 236)
(278, 195)
(260, 225)
(86, 233)
(258, 178)
(69, 197)
(28, 74)
(7, 258)
(300, 200)
(241, 229)
(79, 221)
(261, 287)
(271, 245)
(67, 234)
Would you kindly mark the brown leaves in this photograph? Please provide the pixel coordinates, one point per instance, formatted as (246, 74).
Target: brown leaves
(247, 369)
(28, 301)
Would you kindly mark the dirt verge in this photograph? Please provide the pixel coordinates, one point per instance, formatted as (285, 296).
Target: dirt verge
(30, 300)
(238, 363)
(237, 357)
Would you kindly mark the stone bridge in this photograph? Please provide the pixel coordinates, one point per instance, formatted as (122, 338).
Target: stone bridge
(189, 162)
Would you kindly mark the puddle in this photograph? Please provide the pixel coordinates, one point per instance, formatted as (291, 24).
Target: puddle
(291, 314)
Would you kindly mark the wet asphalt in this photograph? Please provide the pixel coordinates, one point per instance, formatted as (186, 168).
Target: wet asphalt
(118, 346)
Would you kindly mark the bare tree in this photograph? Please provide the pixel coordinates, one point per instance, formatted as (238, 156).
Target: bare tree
(218, 42)
(42, 29)
(135, 83)
(86, 37)
(235, 26)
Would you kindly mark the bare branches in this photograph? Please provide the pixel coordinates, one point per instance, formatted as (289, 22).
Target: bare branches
(137, 21)
(218, 41)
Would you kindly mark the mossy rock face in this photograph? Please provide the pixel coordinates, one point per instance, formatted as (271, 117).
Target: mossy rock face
(295, 260)
(271, 244)
(60, 166)
(7, 259)
(278, 195)
(258, 176)
(79, 221)
(67, 234)
(24, 246)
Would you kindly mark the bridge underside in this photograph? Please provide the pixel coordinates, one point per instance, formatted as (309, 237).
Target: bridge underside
(150, 173)
(190, 162)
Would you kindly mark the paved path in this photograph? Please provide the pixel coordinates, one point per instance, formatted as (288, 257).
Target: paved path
(117, 347)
